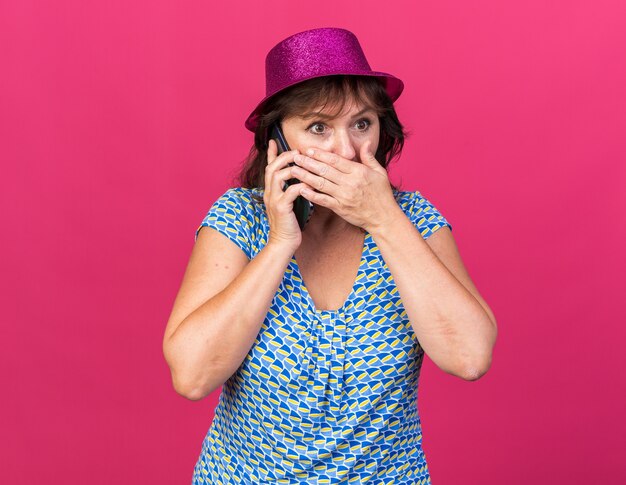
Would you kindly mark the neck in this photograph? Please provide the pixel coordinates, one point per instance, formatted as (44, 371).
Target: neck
(324, 222)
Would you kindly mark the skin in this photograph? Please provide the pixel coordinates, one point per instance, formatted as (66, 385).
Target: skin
(224, 297)
(360, 192)
(453, 323)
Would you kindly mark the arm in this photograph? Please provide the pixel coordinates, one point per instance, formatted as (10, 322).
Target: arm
(218, 311)
(454, 325)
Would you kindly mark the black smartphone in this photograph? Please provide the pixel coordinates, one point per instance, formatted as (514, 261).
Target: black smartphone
(302, 207)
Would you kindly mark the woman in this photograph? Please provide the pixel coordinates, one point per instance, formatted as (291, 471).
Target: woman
(318, 335)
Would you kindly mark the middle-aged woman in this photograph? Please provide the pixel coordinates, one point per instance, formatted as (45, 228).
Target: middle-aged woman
(318, 335)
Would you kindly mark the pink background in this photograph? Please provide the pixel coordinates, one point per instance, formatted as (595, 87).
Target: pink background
(121, 123)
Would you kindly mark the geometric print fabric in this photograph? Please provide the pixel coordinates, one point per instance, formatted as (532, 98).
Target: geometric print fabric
(323, 396)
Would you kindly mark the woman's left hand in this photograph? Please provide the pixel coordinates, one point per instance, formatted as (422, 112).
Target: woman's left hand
(359, 193)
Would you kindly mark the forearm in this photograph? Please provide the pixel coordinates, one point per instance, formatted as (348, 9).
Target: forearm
(212, 342)
(451, 325)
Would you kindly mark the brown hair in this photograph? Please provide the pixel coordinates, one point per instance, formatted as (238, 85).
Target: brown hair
(332, 90)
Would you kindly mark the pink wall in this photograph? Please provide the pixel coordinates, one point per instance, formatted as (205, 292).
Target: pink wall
(121, 122)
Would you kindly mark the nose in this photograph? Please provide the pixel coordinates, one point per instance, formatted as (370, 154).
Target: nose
(343, 145)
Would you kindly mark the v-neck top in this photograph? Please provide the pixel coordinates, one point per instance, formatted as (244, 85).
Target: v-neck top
(323, 396)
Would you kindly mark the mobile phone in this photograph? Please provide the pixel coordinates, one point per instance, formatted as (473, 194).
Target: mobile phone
(302, 207)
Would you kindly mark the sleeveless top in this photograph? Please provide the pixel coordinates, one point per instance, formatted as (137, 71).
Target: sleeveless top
(323, 396)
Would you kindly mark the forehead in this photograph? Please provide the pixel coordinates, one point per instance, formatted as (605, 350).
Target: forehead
(350, 108)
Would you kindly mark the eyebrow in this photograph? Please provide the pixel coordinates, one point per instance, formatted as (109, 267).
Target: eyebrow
(313, 114)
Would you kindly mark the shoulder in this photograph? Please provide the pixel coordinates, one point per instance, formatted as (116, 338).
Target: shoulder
(421, 211)
(410, 198)
(412, 202)
(404, 198)
(243, 200)
(241, 195)
(234, 213)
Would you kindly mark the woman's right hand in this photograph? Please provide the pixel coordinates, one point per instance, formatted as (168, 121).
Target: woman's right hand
(284, 226)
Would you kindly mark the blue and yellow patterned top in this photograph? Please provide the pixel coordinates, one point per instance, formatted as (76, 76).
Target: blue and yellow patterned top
(323, 396)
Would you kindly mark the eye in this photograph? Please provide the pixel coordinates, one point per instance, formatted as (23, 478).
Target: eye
(313, 125)
(367, 122)
(364, 124)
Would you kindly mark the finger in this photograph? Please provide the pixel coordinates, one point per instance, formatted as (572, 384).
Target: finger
(271, 151)
(287, 198)
(318, 198)
(367, 157)
(293, 191)
(332, 159)
(279, 179)
(283, 160)
(320, 168)
(320, 183)
(277, 164)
